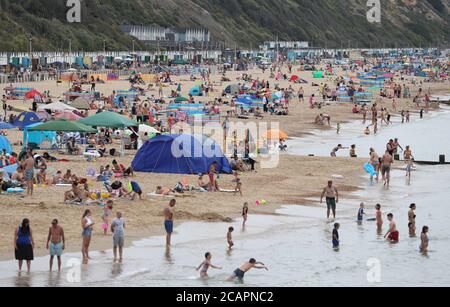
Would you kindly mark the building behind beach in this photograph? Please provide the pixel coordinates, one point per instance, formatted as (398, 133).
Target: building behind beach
(169, 37)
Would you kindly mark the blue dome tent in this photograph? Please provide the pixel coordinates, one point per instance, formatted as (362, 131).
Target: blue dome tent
(25, 119)
(180, 154)
(5, 145)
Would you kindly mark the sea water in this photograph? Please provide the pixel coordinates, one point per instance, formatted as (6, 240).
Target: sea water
(428, 138)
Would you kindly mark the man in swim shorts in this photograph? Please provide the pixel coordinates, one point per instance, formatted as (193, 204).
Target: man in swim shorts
(386, 164)
(168, 222)
(251, 264)
(55, 243)
(332, 198)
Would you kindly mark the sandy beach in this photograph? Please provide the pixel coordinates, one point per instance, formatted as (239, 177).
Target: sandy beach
(293, 182)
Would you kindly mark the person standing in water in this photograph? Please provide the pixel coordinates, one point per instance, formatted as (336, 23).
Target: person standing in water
(392, 235)
(375, 161)
(251, 264)
(118, 230)
(386, 164)
(335, 240)
(168, 221)
(332, 198)
(379, 218)
(244, 213)
(230, 238)
(424, 240)
(24, 244)
(361, 213)
(205, 265)
(412, 220)
(87, 226)
(55, 243)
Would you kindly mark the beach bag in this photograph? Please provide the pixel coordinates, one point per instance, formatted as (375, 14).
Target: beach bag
(178, 188)
(116, 185)
(6, 185)
(112, 152)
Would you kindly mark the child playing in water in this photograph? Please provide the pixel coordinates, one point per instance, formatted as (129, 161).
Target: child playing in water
(392, 235)
(230, 238)
(361, 213)
(379, 218)
(412, 220)
(107, 211)
(424, 240)
(205, 265)
(336, 235)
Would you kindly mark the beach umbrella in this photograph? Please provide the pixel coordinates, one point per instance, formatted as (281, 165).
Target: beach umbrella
(108, 120)
(56, 107)
(275, 135)
(63, 125)
(68, 115)
(148, 129)
(181, 99)
(43, 115)
(6, 126)
(81, 103)
(33, 93)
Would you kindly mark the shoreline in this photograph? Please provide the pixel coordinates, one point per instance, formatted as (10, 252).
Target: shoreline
(101, 242)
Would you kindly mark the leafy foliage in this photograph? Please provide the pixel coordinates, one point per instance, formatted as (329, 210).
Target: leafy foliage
(331, 23)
